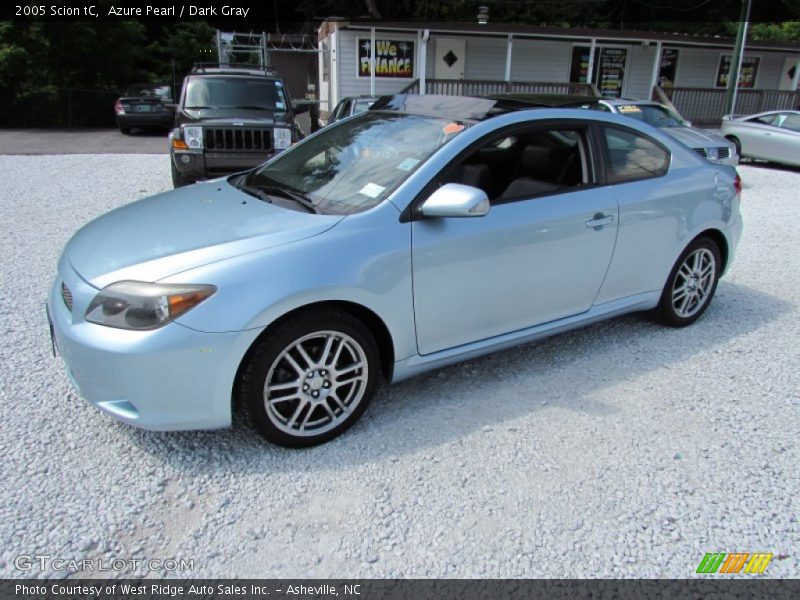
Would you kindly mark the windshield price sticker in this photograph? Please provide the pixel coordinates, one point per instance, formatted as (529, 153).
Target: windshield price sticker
(408, 164)
(372, 190)
(629, 108)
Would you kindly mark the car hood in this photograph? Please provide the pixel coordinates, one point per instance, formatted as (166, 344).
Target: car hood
(695, 138)
(192, 226)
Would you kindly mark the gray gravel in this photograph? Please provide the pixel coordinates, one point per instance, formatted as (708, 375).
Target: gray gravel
(624, 449)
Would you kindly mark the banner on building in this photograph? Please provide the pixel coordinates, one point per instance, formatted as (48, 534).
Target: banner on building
(394, 59)
(667, 68)
(747, 73)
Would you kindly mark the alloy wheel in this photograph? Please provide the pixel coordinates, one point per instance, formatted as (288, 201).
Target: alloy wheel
(315, 383)
(693, 283)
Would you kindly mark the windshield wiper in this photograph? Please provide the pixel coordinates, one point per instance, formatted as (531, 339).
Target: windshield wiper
(197, 107)
(263, 192)
(296, 196)
(253, 107)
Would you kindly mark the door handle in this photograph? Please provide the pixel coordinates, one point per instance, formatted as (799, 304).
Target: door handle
(599, 220)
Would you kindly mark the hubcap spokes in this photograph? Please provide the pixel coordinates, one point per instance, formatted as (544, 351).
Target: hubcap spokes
(315, 383)
(693, 283)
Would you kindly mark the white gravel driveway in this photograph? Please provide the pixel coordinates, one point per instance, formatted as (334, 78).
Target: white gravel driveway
(623, 449)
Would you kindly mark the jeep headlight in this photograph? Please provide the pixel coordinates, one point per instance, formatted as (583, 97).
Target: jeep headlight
(193, 136)
(138, 305)
(283, 138)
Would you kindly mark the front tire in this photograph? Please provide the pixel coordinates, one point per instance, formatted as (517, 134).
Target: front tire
(691, 284)
(125, 130)
(310, 378)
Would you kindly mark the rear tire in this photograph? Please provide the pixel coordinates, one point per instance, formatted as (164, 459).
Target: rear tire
(691, 284)
(125, 129)
(309, 378)
(179, 180)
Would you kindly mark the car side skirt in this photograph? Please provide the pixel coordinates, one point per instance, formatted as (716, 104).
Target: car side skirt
(418, 364)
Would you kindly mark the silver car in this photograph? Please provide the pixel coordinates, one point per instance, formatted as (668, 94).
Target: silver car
(773, 135)
(421, 233)
(708, 144)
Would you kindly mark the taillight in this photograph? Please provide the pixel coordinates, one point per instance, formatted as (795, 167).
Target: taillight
(118, 107)
(737, 183)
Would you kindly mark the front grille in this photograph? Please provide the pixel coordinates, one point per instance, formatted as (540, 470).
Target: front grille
(716, 153)
(66, 296)
(242, 139)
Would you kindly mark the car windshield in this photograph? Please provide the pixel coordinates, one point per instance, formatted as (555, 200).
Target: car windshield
(353, 165)
(153, 91)
(360, 106)
(657, 116)
(238, 92)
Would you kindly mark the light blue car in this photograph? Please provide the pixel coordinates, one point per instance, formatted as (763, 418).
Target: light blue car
(423, 232)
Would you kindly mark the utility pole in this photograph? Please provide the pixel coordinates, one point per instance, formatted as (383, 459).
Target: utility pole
(736, 58)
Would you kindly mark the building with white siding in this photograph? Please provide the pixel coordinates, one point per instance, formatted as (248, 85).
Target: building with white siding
(468, 58)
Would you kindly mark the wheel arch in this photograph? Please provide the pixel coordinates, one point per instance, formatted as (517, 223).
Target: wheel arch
(376, 326)
(720, 240)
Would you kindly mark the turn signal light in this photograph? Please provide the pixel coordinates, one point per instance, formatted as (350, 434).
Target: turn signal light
(179, 144)
(737, 184)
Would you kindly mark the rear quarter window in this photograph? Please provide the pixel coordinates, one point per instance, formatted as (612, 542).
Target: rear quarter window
(632, 156)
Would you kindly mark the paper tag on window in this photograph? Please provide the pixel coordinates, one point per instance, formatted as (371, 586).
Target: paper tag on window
(372, 190)
(408, 164)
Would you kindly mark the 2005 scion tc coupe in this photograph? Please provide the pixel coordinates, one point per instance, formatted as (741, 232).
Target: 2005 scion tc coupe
(425, 231)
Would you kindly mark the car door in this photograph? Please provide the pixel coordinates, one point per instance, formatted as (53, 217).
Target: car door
(534, 258)
(757, 136)
(786, 141)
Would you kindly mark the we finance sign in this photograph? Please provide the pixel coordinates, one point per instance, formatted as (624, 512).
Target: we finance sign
(393, 58)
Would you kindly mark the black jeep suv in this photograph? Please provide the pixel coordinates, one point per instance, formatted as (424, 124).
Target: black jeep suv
(230, 118)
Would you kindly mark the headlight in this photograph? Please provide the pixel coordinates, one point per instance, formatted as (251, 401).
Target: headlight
(193, 136)
(283, 138)
(139, 305)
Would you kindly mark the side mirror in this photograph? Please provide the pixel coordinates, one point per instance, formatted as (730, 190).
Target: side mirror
(301, 106)
(456, 200)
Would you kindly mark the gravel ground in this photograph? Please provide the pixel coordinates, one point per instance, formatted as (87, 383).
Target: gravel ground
(623, 449)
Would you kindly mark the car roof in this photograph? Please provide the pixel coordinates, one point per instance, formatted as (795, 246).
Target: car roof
(765, 113)
(476, 108)
(244, 69)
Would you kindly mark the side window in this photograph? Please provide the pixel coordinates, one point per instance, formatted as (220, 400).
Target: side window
(633, 156)
(526, 163)
(791, 122)
(765, 120)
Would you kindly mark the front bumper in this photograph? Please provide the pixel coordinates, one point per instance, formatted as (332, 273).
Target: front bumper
(207, 165)
(166, 379)
(159, 120)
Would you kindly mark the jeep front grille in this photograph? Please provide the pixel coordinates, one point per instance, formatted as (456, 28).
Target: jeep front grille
(241, 139)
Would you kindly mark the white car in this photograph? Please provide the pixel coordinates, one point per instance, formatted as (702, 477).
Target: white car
(773, 135)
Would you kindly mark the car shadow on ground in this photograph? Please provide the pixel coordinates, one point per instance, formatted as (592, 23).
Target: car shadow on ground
(436, 408)
(762, 164)
(147, 133)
